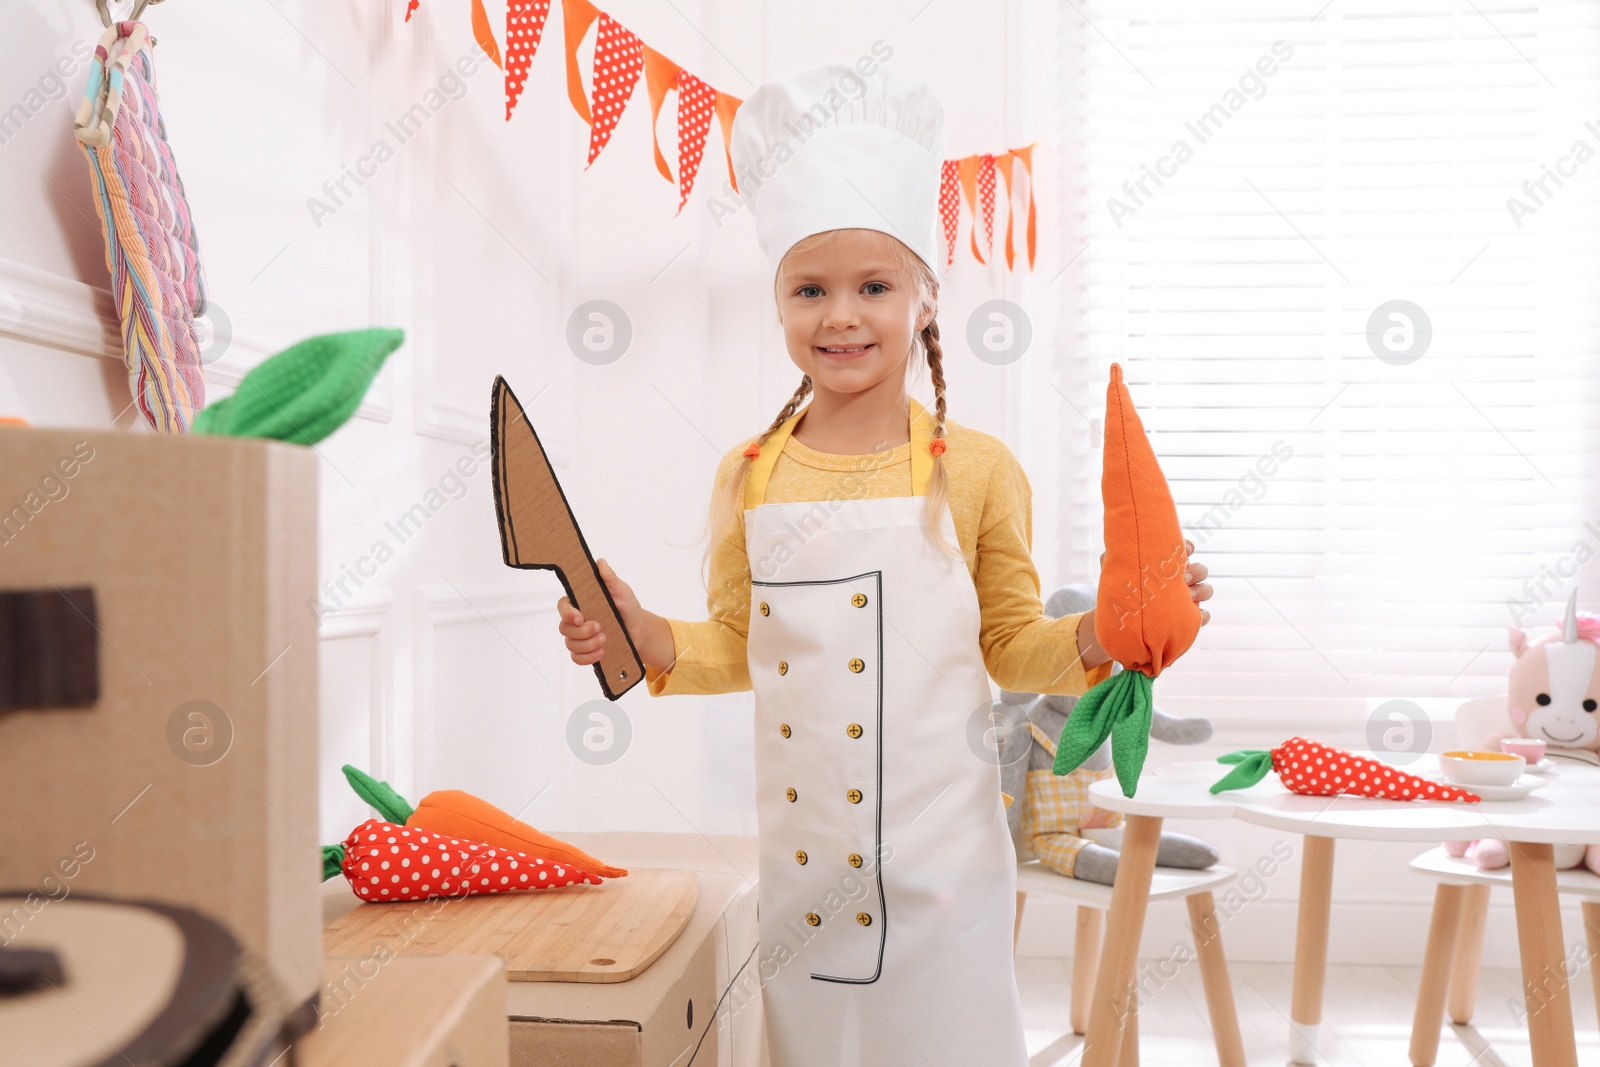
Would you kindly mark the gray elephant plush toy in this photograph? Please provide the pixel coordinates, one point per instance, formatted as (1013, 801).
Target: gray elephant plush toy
(1054, 815)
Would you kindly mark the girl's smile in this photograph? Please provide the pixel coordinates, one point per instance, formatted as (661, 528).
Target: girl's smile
(844, 353)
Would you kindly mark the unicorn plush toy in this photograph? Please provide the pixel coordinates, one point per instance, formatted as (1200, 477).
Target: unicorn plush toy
(1552, 695)
(1554, 687)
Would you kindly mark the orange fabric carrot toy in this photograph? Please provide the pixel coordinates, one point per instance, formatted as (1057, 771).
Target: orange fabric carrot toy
(1144, 616)
(450, 811)
(456, 814)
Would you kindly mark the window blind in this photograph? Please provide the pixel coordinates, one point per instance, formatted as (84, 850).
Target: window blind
(1349, 259)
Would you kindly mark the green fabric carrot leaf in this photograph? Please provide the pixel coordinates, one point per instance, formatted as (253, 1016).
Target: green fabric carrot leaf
(332, 861)
(1119, 708)
(305, 392)
(381, 795)
(1251, 765)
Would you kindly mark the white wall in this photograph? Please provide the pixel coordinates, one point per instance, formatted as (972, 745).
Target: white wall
(441, 668)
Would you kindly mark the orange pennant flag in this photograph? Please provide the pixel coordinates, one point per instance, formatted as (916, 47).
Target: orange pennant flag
(726, 106)
(576, 17)
(696, 102)
(618, 61)
(481, 31)
(660, 77)
(1026, 155)
(967, 168)
(1003, 163)
(525, 21)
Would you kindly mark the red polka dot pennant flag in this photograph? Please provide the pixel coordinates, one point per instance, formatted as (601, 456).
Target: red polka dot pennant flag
(696, 102)
(618, 61)
(986, 198)
(524, 27)
(949, 207)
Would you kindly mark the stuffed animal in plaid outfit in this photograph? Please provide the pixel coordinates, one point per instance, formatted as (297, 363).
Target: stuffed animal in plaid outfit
(1055, 811)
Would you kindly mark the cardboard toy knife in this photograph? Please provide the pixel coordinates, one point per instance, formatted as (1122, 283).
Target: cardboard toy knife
(539, 531)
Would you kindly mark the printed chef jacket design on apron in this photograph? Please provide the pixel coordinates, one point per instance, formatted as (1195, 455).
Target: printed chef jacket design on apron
(888, 877)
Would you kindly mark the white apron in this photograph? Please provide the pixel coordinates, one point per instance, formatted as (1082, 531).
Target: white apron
(888, 878)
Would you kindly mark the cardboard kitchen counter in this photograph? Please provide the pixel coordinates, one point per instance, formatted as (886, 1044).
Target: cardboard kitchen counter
(409, 1011)
(697, 1003)
(158, 680)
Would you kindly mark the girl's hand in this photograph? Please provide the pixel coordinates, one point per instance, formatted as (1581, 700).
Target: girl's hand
(1195, 577)
(586, 643)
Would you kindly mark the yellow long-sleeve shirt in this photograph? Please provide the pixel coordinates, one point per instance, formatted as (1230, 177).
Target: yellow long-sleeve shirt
(991, 503)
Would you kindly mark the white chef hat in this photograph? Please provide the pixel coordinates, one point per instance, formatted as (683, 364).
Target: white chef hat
(828, 148)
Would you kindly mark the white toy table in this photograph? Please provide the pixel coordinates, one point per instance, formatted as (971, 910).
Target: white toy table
(1566, 811)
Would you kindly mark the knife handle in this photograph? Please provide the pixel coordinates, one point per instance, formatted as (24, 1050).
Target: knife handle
(619, 667)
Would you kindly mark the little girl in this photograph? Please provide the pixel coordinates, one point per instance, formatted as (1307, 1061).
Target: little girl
(870, 571)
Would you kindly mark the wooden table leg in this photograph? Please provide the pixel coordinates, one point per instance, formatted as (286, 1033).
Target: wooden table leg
(1016, 927)
(1469, 955)
(1544, 978)
(1114, 992)
(1311, 947)
(1443, 935)
(1591, 929)
(1129, 1056)
(1085, 962)
(1214, 977)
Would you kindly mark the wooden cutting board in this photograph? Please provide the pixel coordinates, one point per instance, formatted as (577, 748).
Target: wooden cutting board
(591, 933)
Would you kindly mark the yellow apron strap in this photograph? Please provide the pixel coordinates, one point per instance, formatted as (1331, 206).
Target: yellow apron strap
(922, 427)
(755, 483)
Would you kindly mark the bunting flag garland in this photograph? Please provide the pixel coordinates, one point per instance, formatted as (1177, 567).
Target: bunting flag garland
(620, 58)
(525, 21)
(986, 197)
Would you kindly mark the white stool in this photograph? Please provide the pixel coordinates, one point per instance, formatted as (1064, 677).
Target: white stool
(1455, 940)
(1461, 906)
(1093, 899)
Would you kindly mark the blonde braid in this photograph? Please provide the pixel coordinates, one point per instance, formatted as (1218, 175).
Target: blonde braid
(801, 392)
(939, 482)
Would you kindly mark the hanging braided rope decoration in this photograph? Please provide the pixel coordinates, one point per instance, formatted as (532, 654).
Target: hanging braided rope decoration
(152, 251)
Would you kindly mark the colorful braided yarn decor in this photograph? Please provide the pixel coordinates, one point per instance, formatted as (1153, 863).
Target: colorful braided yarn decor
(157, 281)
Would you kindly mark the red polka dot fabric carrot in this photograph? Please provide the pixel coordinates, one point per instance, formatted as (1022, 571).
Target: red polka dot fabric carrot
(1319, 770)
(386, 862)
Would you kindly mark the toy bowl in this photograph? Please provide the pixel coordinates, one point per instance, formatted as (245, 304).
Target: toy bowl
(1481, 768)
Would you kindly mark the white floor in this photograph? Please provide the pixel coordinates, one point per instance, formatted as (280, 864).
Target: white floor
(1366, 1019)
